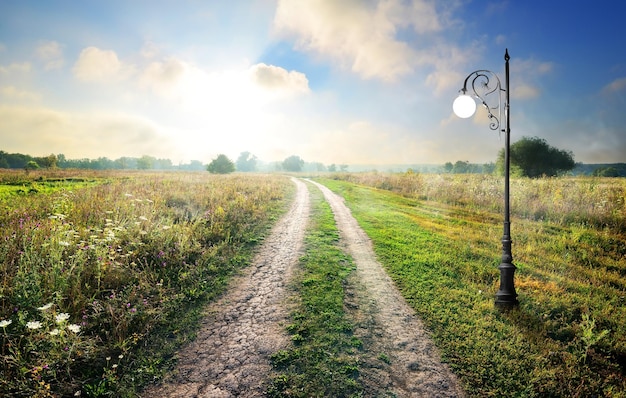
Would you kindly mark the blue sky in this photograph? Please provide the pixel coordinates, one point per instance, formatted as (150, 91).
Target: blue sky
(332, 81)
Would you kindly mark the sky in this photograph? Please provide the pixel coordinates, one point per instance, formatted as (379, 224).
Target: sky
(331, 81)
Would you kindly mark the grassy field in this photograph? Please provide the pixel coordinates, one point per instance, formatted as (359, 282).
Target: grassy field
(441, 246)
(104, 275)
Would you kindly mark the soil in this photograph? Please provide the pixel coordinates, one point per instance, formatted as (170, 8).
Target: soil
(230, 356)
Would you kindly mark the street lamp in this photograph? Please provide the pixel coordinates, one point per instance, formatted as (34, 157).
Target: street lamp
(483, 84)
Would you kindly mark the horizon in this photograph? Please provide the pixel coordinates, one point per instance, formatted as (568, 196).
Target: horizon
(335, 83)
(263, 165)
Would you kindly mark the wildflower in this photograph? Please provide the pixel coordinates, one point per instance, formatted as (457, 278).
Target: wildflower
(62, 317)
(5, 322)
(74, 328)
(64, 243)
(54, 332)
(33, 325)
(45, 307)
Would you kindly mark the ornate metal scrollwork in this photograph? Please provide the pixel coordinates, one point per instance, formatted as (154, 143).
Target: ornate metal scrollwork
(483, 84)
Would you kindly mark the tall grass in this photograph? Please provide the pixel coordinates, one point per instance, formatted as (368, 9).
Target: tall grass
(568, 336)
(91, 276)
(598, 201)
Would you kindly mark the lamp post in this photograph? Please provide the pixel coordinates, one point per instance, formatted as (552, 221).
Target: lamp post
(481, 84)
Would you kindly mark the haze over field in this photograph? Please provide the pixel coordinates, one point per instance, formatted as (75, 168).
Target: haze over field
(347, 82)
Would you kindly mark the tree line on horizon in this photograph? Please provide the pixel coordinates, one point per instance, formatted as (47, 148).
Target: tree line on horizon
(22, 161)
(530, 157)
(246, 162)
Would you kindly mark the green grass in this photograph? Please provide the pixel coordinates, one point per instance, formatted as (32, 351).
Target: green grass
(21, 190)
(570, 280)
(132, 257)
(322, 362)
(100, 284)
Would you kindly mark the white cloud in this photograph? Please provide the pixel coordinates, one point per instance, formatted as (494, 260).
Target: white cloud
(279, 80)
(23, 67)
(420, 15)
(78, 135)
(615, 86)
(524, 74)
(356, 36)
(12, 93)
(196, 90)
(163, 77)
(382, 39)
(230, 92)
(51, 53)
(95, 64)
(447, 62)
(149, 50)
(525, 92)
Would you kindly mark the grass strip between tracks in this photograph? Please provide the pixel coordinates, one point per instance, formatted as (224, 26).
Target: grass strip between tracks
(322, 361)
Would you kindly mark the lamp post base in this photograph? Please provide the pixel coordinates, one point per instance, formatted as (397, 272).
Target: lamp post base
(506, 297)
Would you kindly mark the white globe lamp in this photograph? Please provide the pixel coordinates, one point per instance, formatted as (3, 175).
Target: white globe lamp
(464, 106)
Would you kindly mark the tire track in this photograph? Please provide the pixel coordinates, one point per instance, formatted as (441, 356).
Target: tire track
(399, 357)
(230, 356)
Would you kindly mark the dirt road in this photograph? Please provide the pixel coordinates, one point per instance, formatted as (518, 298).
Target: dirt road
(387, 325)
(230, 357)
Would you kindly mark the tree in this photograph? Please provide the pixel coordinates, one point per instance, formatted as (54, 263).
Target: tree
(461, 167)
(221, 165)
(146, 162)
(195, 165)
(163, 164)
(533, 157)
(31, 165)
(293, 163)
(246, 162)
(608, 171)
(489, 168)
(48, 162)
